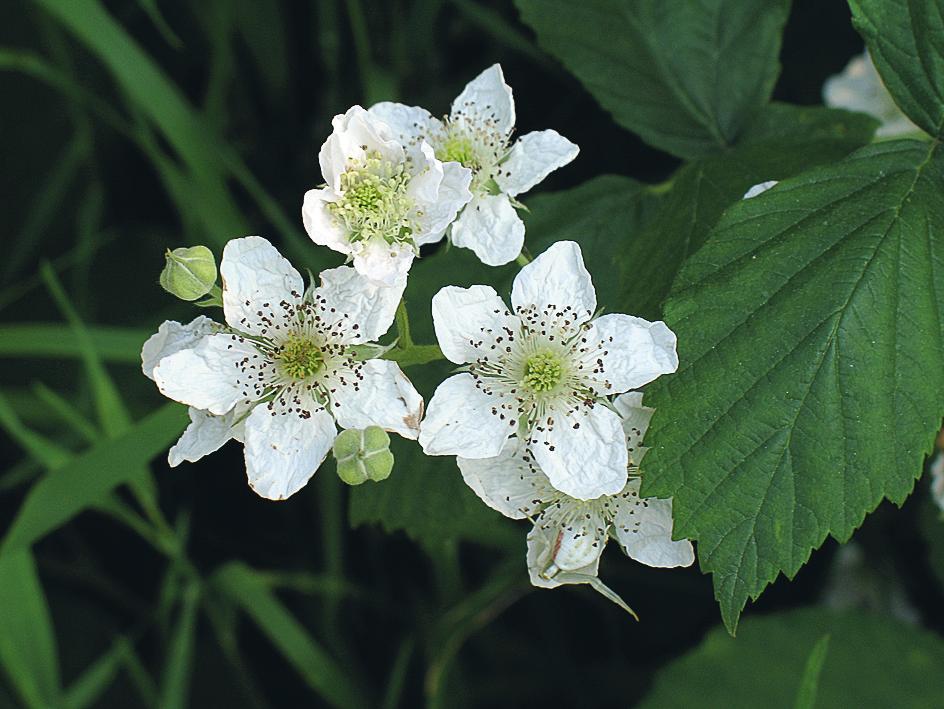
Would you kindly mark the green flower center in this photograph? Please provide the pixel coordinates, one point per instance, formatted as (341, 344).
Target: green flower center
(374, 200)
(543, 372)
(300, 358)
(459, 148)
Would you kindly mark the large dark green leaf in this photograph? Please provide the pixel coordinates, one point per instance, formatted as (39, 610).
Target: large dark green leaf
(906, 41)
(686, 76)
(872, 662)
(810, 383)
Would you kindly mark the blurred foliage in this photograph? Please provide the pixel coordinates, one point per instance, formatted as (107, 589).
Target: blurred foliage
(136, 125)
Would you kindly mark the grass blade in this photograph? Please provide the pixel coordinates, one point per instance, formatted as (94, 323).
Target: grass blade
(54, 340)
(809, 684)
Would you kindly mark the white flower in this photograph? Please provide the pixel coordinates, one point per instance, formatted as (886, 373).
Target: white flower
(283, 375)
(859, 88)
(937, 479)
(543, 372)
(477, 133)
(569, 534)
(383, 199)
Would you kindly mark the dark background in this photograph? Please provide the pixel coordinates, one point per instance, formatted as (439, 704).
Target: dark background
(269, 81)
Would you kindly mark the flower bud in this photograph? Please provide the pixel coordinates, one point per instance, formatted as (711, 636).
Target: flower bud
(363, 455)
(189, 273)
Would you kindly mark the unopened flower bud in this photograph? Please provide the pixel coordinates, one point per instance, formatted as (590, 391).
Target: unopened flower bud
(363, 455)
(189, 273)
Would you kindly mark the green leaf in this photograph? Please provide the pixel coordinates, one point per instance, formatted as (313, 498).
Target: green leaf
(906, 41)
(688, 77)
(245, 587)
(808, 325)
(89, 477)
(873, 661)
(54, 340)
(27, 641)
(179, 664)
(98, 677)
(809, 684)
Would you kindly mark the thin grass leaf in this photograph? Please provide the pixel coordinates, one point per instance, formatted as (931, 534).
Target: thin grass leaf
(54, 340)
(178, 667)
(92, 684)
(49, 454)
(67, 413)
(27, 641)
(89, 477)
(809, 683)
(243, 586)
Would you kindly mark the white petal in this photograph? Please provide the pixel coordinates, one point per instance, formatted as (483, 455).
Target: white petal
(355, 134)
(256, 278)
(486, 100)
(207, 376)
(410, 124)
(510, 482)
(533, 157)
(471, 323)
(427, 176)
(384, 264)
(463, 420)
(359, 301)
(205, 434)
(383, 397)
(583, 453)
(320, 224)
(636, 419)
(283, 450)
(636, 351)
(173, 337)
(557, 277)
(759, 188)
(937, 480)
(542, 546)
(644, 530)
(491, 227)
(452, 196)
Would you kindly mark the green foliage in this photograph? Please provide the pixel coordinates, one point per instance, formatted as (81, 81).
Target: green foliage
(872, 662)
(906, 41)
(687, 77)
(809, 684)
(787, 317)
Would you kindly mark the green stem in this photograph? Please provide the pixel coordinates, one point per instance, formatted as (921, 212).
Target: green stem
(524, 258)
(415, 354)
(405, 341)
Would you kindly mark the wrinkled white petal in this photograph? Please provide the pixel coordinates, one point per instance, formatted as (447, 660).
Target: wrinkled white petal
(509, 482)
(463, 420)
(408, 123)
(384, 397)
(452, 196)
(256, 278)
(205, 434)
(355, 134)
(583, 453)
(385, 264)
(173, 337)
(643, 527)
(424, 187)
(320, 224)
(207, 376)
(532, 158)
(368, 309)
(283, 450)
(542, 545)
(491, 227)
(636, 351)
(636, 419)
(469, 321)
(487, 99)
(558, 277)
(759, 188)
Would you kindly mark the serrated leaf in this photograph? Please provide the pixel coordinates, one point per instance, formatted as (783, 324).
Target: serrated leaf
(873, 661)
(810, 383)
(906, 41)
(686, 76)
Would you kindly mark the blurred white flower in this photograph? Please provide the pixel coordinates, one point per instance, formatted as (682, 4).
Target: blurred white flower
(478, 134)
(937, 480)
(569, 534)
(860, 88)
(383, 198)
(544, 372)
(283, 375)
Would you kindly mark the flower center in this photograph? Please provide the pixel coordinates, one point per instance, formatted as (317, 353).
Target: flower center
(543, 372)
(300, 358)
(481, 148)
(374, 200)
(459, 148)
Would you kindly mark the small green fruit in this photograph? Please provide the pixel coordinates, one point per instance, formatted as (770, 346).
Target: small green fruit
(189, 273)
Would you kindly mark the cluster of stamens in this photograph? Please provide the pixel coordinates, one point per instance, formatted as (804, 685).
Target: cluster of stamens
(374, 201)
(288, 360)
(474, 143)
